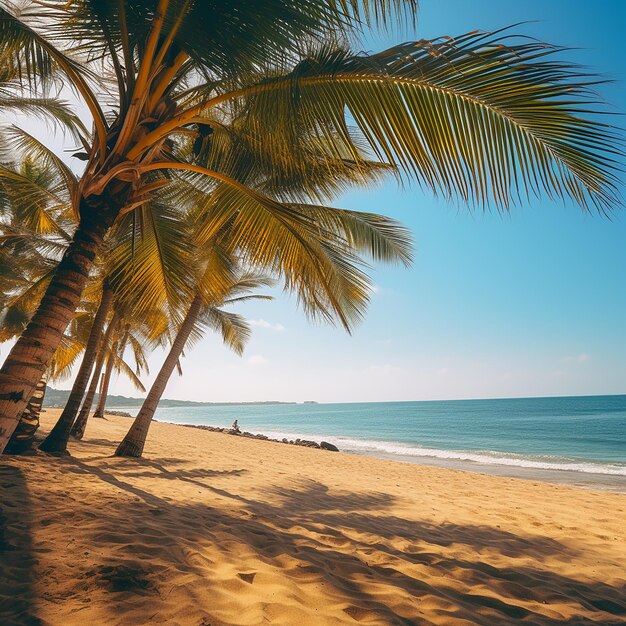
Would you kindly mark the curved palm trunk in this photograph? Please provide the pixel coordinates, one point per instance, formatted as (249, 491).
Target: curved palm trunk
(24, 435)
(104, 388)
(57, 439)
(78, 429)
(133, 443)
(30, 356)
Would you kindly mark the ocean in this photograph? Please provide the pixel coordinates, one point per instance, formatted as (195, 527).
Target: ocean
(578, 440)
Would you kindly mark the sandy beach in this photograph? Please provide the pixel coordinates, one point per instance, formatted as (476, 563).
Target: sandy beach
(211, 529)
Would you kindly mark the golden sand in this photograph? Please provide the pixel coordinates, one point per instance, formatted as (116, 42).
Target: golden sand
(211, 529)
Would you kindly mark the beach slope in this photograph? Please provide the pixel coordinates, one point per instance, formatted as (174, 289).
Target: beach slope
(213, 529)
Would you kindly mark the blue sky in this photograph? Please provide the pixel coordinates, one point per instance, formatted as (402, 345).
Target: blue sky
(527, 304)
(532, 303)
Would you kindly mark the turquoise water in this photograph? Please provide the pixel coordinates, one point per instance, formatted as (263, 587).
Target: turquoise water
(586, 435)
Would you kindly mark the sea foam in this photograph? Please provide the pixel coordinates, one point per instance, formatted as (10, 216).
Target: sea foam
(484, 457)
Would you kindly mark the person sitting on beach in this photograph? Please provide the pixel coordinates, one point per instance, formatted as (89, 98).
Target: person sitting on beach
(235, 426)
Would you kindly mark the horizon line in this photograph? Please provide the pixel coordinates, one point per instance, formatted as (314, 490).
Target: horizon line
(309, 401)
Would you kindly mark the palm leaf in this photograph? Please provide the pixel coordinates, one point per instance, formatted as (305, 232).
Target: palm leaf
(233, 328)
(31, 200)
(121, 367)
(245, 35)
(277, 238)
(380, 237)
(149, 258)
(484, 117)
(28, 299)
(65, 357)
(42, 251)
(35, 59)
(18, 141)
(55, 112)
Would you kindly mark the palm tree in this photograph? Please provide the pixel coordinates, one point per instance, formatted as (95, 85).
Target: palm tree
(116, 348)
(200, 316)
(220, 282)
(24, 435)
(23, 438)
(36, 218)
(16, 307)
(78, 427)
(34, 232)
(56, 441)
(482, 117)
(127, 336)
(125, 328)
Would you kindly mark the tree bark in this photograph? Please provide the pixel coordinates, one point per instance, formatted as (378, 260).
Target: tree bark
(132, 445)
(78, 429)
(120, 346)
(104, 388)
(56, 441)
(31, 354)
(24, 435)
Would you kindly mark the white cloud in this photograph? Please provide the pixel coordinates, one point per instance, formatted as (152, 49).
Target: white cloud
(443, 371)
(261, 323)
(579, 358)
(375, 289)
(385, 370)
(257, 359)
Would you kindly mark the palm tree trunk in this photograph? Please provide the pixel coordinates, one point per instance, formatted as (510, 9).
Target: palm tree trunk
(32, 352)
(24, 435)
(104, 388)
(56, 441)
(78, 429)
(133, 443)
(120, 346)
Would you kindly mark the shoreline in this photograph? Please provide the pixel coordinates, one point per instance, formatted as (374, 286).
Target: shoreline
(572, 478)
(227, 531)
(569, 478)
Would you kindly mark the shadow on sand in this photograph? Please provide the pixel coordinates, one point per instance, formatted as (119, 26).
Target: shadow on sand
(325, 532)
(17, 596)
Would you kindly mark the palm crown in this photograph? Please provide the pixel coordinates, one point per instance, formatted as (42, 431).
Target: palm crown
(155, 263)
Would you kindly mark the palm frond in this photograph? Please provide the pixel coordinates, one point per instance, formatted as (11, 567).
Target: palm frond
(31, 253)
(18, 141)
(53, 111)
(380, 237)
(13, 321)
(313, 166)
(19, 298)
(249, 281)
(245, 35)
(232, 328)
(28, 299)
(121, 367)
(139, 355)
(65, 357)
(36, 59)
(277, 238)
(219, 274)
(149, 258)
(240, 299)
(484, 117)
(31, 199)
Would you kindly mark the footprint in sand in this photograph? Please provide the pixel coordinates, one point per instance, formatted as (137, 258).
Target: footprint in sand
(247, 578)
(357, 613)
(122, 578)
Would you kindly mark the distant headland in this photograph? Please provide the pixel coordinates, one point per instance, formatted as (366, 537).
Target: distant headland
(58, 397)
